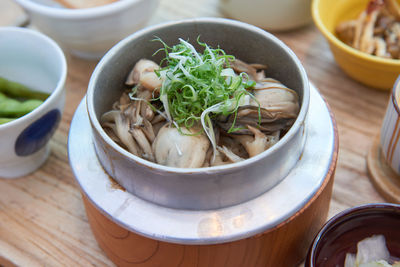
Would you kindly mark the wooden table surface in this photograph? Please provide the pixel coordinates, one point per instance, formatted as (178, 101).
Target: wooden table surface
(42, 218)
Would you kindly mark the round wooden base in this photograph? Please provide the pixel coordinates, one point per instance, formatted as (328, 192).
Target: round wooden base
(385, 180)
(135, 233)
(284, 245)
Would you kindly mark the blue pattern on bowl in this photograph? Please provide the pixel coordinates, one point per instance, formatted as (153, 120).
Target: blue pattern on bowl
(36, 135)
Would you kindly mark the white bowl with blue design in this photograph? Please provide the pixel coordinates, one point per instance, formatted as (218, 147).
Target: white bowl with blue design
(33, 59)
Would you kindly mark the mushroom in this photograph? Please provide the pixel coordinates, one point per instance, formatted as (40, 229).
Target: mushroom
(121, 129)
(393, 40)
(358, 30)
(124, 99)
(141, 103)
(148, 130)
(233, 144)
(109, 128)
(258, 143)
(140, 128)
(346, 31)
(251, 69)
(232, 157)
(393, 7)
(380, 47)
(218, 159)
(142, 141)
(132, 130)
(366, 39)
(143, 74)
(376, 31)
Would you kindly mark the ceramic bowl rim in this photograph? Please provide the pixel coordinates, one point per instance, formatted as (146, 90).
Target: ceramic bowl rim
(396, 95)
(83, 13)
(346, 48)
(60, 83)
(290, 134)
(338, 219)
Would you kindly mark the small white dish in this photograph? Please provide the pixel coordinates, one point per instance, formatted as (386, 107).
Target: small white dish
(272, 15)
(30, 58)
(90, 32)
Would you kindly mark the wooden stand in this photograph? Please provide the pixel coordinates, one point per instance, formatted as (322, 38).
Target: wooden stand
(385, 180)
(284, 245)
(136, 233)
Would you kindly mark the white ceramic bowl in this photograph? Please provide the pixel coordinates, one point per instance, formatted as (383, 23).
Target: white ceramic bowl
(90, 32)
(272, 15)
(33, 59)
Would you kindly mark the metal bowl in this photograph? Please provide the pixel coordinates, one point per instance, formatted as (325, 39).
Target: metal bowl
(200, 188)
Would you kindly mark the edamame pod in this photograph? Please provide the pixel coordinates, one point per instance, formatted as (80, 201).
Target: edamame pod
(13, 108)
(15, 89)
(5, 120)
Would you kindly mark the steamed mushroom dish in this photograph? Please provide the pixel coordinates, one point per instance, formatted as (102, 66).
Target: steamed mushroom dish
(376, 31)
(199, 109)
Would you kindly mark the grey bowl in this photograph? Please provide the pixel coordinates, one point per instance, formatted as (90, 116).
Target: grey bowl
(200, 188)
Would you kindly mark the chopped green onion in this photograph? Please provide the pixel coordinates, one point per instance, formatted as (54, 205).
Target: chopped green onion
(195, 81)
(199, 86)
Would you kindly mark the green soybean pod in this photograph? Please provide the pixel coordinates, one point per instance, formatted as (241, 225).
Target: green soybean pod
(15, 89)
(13, 108)
(5, 120)
(3, 97)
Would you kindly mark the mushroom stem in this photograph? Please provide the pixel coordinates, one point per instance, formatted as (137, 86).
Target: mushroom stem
(229, 154)
(258, 143)
(144, 144)
(122, 131)
(148, 130)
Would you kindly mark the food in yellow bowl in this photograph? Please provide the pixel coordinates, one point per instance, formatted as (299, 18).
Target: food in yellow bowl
(376, 31)
(373, 71)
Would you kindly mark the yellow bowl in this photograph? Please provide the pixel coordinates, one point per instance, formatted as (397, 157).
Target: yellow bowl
(370, 70)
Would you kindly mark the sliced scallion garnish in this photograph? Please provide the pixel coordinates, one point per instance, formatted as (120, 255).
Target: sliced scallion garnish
(199, 86)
